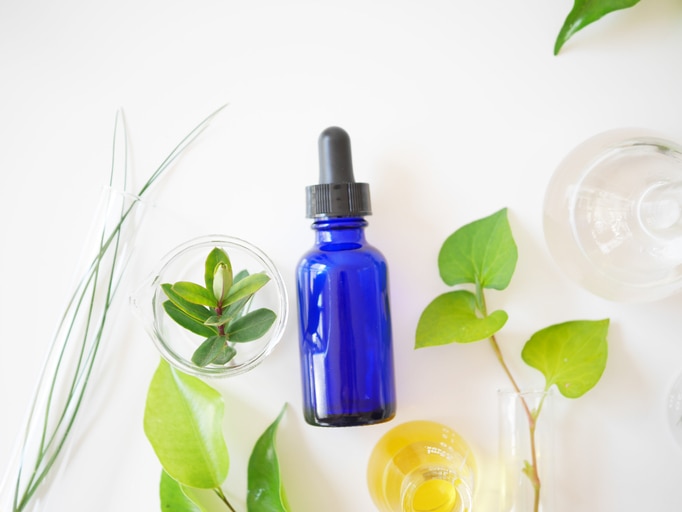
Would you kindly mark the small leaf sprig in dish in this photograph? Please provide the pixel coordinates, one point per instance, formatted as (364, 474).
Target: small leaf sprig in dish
(218, 310)
(482, 255)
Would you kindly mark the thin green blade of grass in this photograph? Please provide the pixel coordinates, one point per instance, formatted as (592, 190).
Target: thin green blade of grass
(87, 311)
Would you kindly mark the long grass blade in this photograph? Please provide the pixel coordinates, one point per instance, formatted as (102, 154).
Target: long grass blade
(84, 324)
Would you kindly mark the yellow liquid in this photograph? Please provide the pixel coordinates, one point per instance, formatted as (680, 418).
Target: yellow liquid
(421, 466)
(435, 496)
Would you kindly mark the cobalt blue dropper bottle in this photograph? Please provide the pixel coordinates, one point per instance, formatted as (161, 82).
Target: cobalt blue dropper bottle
(344, 317)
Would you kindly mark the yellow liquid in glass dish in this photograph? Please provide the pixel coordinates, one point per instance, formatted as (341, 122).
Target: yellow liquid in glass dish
(421, 466)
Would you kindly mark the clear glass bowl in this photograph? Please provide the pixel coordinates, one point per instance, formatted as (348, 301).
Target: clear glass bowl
(186, 263)
(613, 215)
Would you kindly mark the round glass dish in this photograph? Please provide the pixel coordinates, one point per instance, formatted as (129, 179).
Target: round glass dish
(613, 215)
(186, 263)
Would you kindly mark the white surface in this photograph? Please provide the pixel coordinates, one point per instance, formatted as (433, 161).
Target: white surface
(455, 109)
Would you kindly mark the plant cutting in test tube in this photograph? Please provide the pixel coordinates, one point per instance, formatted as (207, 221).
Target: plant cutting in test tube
(481, 256)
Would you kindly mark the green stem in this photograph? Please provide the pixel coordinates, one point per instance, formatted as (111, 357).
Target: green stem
(532, 416)
(223, 498)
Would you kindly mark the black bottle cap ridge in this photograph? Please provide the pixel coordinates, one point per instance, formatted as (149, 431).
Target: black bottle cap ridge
(337, 194)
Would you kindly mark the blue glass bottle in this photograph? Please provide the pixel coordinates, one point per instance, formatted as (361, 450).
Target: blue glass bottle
(344, 315)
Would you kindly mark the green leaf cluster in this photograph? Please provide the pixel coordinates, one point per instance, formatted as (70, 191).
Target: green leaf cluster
(183, 422)
(217, 310)
(483, 255)
(585, 12)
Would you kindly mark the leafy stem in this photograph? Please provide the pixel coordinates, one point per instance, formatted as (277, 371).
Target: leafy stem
(532, 469)
(571, 355)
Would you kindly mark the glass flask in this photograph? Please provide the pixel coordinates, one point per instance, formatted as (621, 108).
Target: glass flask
(422, 466)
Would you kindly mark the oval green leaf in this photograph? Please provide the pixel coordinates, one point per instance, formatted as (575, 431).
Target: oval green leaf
(451, 317)
(183, 422)
(216, 256)
(265, 488)
(482, 252)
(227, 352)
(246, 287)
(251, 326)
(585, 12)
(571, 355)
(186, 321)
(222, 281)
(200, 313)
(194, 293)
(208, 351)
(173, 496)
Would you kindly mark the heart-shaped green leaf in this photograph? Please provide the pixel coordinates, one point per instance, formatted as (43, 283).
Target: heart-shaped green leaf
(186, 321)
(482, 252)
(173, 496)
(451, 317)
(571, 355)
(183, 421)
(585, 12)
(251, 326)
(194, 293)
(216, 256)
(265, 488)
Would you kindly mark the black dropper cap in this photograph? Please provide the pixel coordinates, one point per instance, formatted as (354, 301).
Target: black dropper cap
(337, 195)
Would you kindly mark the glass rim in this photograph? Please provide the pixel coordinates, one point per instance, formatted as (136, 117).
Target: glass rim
(275, 333)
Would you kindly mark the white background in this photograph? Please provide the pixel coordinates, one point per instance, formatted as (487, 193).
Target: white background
(455, 110)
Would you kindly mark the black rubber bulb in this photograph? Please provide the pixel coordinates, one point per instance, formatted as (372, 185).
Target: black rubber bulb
(336, 162)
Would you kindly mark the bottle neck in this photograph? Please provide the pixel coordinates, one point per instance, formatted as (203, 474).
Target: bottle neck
(342, 232)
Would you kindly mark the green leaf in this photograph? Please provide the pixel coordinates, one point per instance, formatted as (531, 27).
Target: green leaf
(194, 293)
(240, 275)
(186, 321)
(482, 252)
(222, 281)
(251, 326)
(208, 351)
(451, 317)
(225, 355)
(216, 256)
(571, 355)
(585, 12)
(200, 313)
(217, 321)
(265, 488)
(183, 422)
(173, 497)
(246, 287)
(232, 312)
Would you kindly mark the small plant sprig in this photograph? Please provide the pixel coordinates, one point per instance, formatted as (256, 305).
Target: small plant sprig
(483, 255)
(217, 311)
(183, 421)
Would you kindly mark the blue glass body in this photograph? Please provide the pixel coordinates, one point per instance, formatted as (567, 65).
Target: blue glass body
(345, 328)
